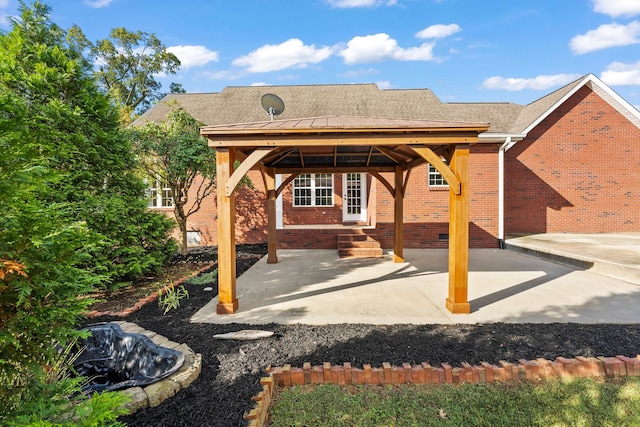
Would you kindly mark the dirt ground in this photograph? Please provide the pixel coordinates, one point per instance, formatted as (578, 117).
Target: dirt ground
(232, 370)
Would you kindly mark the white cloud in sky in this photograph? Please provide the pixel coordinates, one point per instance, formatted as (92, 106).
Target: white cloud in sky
(438, 31)
(615, 8)
(541, 82)
(384, 85)
(346, 4)
(193, 56)
(259, 84)
(620, 74)
(98, 4)
(291, 54)
(606, 35)
(379, 47)
(4, 4)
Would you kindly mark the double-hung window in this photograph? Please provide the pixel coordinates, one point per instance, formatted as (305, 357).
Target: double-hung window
(313, 189)
(435, 179)
(159, 192)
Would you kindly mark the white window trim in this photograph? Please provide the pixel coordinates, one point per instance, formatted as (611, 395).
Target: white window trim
(313, 191)
(433, 172)
(158, 202)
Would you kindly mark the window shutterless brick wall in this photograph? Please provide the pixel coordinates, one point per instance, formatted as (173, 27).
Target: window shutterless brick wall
(578, 171)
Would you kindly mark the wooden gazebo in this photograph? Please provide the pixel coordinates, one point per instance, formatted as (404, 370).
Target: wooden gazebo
(339, 144)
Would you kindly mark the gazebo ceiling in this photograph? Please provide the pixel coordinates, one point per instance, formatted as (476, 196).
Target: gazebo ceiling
(342, 143)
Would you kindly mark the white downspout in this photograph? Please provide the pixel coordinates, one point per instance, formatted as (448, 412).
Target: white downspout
(503, 147)
(279, 214)
(501, 152)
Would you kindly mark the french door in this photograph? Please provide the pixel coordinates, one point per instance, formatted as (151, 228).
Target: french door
(354, 197)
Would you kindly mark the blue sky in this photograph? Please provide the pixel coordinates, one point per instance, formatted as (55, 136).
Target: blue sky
(463, 50)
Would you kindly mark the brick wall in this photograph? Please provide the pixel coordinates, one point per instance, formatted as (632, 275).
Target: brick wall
(426, 211)
(578, 171)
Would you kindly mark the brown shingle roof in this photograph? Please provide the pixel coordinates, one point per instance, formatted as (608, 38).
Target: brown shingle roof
(236, 104)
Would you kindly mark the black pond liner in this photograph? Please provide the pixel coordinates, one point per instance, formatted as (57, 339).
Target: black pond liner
(112, 359)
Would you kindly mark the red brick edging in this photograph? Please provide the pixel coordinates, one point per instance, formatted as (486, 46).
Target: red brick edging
(538, 369)
(345, 374)
(149, 298)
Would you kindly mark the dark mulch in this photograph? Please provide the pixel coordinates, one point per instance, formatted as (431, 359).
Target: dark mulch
(231, 370)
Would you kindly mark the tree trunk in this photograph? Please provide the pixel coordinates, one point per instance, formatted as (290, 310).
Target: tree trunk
(181, 219)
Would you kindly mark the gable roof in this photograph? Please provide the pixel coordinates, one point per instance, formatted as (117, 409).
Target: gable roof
(237, 104)
(538, 110)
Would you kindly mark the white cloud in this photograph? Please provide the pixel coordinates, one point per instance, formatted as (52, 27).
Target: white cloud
(615, 8)
(619, 74)
(193, 56)
(384, 85)
(438, 31)
(607, 35)
(98, 4)
(346, 4)
(537, 83)
(290, 54)
(259, 84)
(379, 47)
(4, 4)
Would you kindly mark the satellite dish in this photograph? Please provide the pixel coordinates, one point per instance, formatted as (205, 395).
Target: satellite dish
(272, 104)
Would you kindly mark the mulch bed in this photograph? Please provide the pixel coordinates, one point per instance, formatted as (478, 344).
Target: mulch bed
(231, 370)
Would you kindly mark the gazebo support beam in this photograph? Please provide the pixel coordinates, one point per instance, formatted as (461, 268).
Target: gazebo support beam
(227, 301)
(457, 301)
(272, 239)
(398, 216)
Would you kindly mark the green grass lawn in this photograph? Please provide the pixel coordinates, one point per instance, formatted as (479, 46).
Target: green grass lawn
(578, 402)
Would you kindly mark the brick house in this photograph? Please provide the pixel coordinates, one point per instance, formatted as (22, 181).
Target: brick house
(567, 162)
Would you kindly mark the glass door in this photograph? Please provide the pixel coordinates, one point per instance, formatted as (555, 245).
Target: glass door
(354, 197)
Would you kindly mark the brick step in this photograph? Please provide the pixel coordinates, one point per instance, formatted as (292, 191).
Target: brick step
(358, 244)
(355, 237)
(361, 253)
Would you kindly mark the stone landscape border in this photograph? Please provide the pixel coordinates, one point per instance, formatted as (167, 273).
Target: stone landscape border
(525, 370)
(154, 394)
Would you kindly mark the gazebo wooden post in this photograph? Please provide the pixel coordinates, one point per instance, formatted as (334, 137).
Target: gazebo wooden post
(457, 301)
(398, 216)
(272, 239)
(227, 301)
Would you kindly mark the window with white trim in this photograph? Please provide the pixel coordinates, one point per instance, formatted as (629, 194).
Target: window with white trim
(158, 192)
(435, 179)
(313, 189)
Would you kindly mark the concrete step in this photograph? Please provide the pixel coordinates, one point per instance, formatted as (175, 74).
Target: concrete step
(580, 257)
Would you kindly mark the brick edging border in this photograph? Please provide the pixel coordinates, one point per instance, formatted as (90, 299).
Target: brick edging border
(424, 373)
(149, 298)
(533, 370)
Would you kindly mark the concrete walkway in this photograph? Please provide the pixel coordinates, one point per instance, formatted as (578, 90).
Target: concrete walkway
(317, 287)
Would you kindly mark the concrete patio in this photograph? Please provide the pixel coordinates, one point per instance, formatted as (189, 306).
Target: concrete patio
(590, 279)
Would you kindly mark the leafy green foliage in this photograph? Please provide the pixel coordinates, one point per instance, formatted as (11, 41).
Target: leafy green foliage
(207, 278)
(72, 212)
(175, 151)
(72, 128)
(57, 400)
(169, 299)
(127, 63)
